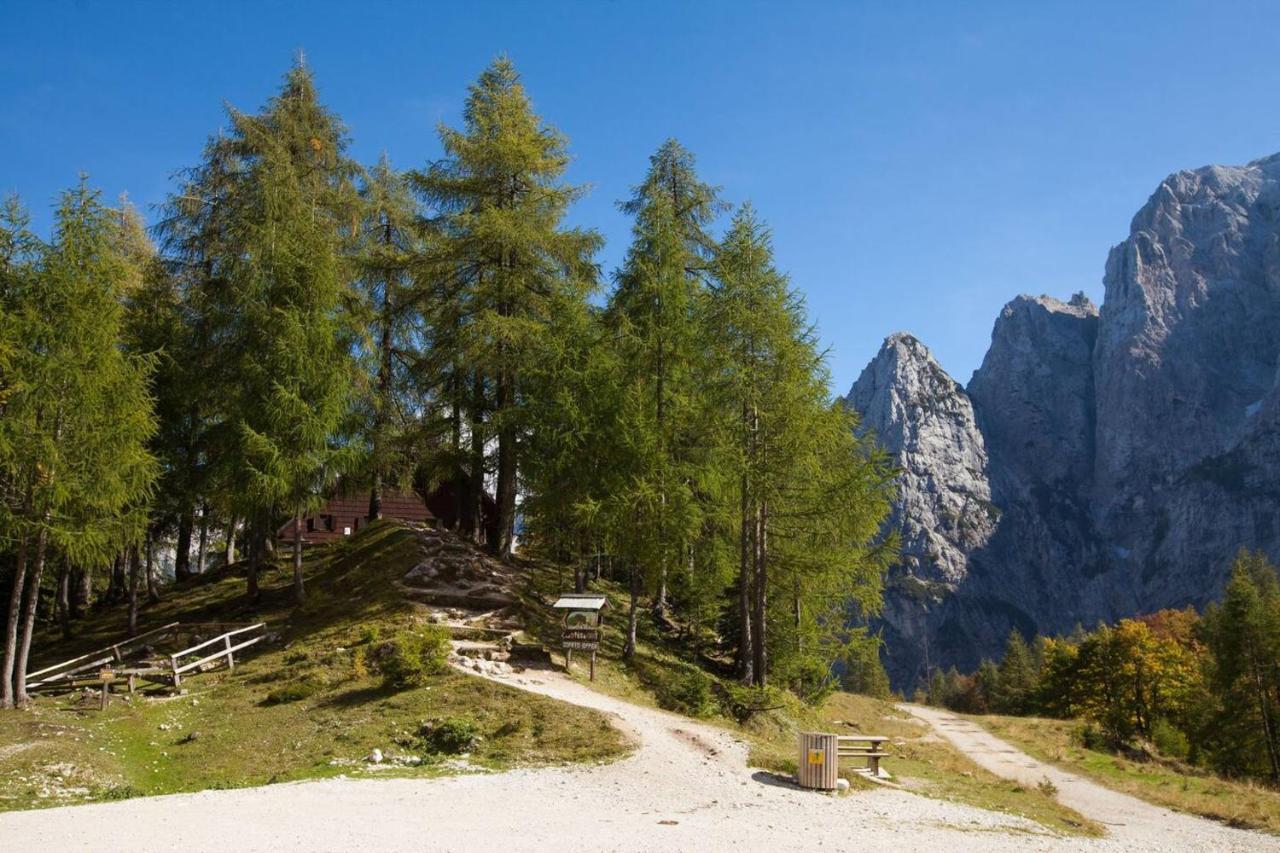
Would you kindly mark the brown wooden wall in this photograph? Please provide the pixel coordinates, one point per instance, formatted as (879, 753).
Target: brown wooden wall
(344, 514)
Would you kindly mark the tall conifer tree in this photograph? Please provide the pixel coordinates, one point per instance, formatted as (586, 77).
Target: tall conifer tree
(501, 198)
(78, 419)
(653, 314)
(274, 303)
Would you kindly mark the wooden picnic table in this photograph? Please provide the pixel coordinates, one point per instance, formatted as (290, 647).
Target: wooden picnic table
(869, 747)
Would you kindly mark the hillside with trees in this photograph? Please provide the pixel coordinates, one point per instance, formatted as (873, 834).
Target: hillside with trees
(296, 319)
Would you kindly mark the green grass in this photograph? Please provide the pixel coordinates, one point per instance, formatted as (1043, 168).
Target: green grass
(307, 706)
(919, 762)
(1242, 804)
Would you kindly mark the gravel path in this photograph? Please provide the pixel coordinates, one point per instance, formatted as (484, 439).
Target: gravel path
(686, 787)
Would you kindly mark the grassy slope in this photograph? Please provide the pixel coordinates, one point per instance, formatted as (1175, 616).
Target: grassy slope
(920, 763)
(59, 753)
(1243, 804)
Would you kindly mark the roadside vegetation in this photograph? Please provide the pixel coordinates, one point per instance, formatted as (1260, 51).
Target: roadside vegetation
(1241, 803)
(1178, 707)
(351, 671)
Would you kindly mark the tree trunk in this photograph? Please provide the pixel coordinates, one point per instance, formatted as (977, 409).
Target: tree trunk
(83, 598)
(759, 648)
(382, 401)
(204, 539)
(746, 671)
(182, 552)
(475, 492)
(11, 625)
(153, 594)
(117, 584)
(629, 651)
(62, 602)
(135, 578)
(230, 556)
(506, 486)
(459, 496)
(31, 600)
(254, 545)
(299, 587)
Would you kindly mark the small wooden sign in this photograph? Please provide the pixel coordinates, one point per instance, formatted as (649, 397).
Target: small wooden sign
(106, 675)
(583, 635)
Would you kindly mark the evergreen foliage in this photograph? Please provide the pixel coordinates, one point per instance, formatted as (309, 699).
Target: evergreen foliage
(500, 201)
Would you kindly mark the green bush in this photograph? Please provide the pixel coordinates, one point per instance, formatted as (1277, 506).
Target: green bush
(413, 655)
(687, 692)
(743, 702)
(448, 735)
(1169, 740)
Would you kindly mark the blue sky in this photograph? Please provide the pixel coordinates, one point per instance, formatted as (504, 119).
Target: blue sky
(920, 163)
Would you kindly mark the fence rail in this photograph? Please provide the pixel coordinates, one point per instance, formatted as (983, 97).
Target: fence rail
(66, 670)
(227, 652)
(69, 673)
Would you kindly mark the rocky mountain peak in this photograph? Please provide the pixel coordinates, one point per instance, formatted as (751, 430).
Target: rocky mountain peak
(1101, 462)
(925, 419)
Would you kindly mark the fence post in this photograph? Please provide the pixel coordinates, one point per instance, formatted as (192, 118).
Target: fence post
(231, 661)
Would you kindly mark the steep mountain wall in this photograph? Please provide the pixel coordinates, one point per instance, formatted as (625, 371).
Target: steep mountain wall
(1100, 463)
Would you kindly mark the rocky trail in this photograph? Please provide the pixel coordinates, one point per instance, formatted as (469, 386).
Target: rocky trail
(686, 787)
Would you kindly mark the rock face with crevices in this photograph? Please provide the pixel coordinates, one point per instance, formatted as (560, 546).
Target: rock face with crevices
(1121, 456)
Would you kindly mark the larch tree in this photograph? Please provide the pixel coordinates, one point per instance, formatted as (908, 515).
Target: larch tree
(653, 316)
(391, 314)
(1243, 637)
(78, 419)
(276, 310)
(810, 495)
(501, 199)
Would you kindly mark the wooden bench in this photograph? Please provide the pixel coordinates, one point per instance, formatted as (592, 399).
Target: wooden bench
(866, 747)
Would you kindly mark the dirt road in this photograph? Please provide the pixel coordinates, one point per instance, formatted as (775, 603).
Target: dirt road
(1125, 817)
(687, 787)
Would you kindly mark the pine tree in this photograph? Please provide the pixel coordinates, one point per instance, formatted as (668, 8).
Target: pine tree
(78, 417)
(811, 495)
(1017, 677)
(501, 200)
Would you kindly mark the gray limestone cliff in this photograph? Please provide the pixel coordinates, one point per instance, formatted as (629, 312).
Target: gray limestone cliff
(1100, 463)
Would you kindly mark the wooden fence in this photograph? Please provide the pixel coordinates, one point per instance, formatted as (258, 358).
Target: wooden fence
(227, 651)
(62, 674)
(165, 670)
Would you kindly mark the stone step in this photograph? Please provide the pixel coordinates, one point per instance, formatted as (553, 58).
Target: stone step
(491, 600)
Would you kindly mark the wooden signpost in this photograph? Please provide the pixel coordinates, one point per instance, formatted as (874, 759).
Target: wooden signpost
(583, 620)
(106, 675)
